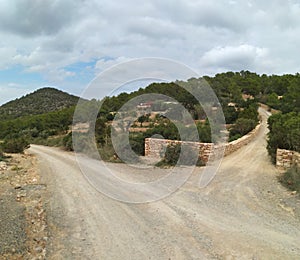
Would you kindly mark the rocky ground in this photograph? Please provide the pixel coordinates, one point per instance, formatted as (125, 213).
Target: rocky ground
(23, 226)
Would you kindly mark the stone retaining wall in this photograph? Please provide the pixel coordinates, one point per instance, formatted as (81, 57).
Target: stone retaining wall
(156, 147)
(285, 159)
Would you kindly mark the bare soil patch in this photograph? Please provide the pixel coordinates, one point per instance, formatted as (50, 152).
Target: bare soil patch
(23, 226)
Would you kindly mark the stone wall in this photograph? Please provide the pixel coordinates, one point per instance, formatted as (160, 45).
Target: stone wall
(285, 159)
(156, 147)
(244, 140)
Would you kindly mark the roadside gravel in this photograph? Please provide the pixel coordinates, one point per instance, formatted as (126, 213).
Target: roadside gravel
(243, 214)
(23, 226)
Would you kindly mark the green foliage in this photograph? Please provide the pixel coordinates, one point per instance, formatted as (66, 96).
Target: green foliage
(291, 179)
(42, 101)
(176, 155)
(55, 141)
(273, 101)
(284, 133)
(172, 154)
(142, 119)
(15, 145)
(107, 153)
(38, 125)
(291, 100)
(28, 120)
(166, 129)
(204, 131)
(30, 116)
(68, 142)
(2, 156)
(250, 112)
(137, 143)
(230, 113)
(241, 127)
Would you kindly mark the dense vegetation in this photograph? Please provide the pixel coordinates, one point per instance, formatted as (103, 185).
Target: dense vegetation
(27, 120)
(45, 116)
(279, 92)
(243, 113)
(284, 126)
(42, 101)
(284, 132)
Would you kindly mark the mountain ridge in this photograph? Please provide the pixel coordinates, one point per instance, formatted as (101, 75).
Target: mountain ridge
(41, 101)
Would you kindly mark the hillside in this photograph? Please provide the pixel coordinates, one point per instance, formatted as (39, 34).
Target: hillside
(39, 102)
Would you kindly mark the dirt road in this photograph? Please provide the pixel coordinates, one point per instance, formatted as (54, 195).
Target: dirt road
(243, 214)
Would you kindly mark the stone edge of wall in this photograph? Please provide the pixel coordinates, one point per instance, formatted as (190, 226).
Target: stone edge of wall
(154, 147)
(285, 159)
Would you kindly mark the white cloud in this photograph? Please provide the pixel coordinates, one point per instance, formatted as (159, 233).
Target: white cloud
(11, 91)
(31, 17)
(47, 36)
(6, 55)
(235, 58)
(103, 64)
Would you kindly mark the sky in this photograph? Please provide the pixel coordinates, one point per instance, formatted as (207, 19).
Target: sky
(67, 43)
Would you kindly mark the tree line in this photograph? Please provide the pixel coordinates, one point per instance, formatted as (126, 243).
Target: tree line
(279, 92)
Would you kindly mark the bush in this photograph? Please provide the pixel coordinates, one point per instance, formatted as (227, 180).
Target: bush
(56, 141)
(284, 133)
(234, 137)
(242, 126)
(291, 179)
(173, 154)
(67, 142)
(2, 157)
(137, 143)
(17, 145)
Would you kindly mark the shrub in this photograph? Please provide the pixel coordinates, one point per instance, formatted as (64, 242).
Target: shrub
(2, 157)
(17, 145)
(291, 179)
(234, 137)
(284, 133)
(174, 153)
(67, 142)
(242, 127)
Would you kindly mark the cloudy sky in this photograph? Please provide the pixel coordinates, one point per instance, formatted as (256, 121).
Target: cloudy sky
(66, 43)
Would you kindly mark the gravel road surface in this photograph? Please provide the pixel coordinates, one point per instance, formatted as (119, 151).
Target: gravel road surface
(243, 214)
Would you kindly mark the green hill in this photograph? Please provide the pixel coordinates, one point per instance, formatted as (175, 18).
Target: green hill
(41, 101)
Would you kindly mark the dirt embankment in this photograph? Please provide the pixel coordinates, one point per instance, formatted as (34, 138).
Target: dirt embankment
(23, 225)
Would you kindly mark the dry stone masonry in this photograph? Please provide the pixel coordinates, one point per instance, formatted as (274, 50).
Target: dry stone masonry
(285, 159)
(155, 147)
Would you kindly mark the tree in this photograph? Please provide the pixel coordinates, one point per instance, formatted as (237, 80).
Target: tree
(241, 127)
(284, 133)
(273, 101)
(142, 119)
(250, 113)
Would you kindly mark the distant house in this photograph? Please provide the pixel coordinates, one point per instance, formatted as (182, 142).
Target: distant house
(144, 106)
